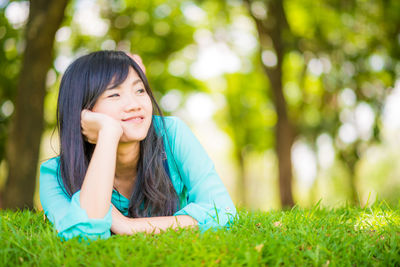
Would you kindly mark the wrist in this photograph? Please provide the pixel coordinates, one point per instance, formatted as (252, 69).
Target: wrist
(119, 225)
(128, 226)
(110, 134)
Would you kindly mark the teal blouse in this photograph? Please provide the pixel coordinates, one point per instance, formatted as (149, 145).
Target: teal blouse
(202, 195)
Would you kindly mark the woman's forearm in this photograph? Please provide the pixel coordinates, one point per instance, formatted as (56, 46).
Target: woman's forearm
(96, 191)
(158, 224)
(129, 226)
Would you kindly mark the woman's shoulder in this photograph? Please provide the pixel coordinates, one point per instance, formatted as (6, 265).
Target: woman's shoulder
(48, 174)
(51, 164)
(171, 123)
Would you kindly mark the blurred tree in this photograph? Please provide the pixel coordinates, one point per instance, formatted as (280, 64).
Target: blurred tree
(27, 121)
(275, 41)
(10, 57)
(348, 65)
(329, 65)
(159, 31)
(248, 118)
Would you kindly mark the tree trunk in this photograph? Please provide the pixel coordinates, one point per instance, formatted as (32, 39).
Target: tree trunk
(352, 182)
(242, 179)
(350, 159)
(275, 28)
(27, 123)
(283, 137)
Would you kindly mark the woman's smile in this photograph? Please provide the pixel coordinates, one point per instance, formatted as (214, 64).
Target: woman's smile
(134, 119)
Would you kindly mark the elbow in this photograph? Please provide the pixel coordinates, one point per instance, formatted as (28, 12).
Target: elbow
(82, 234)
(223, 218)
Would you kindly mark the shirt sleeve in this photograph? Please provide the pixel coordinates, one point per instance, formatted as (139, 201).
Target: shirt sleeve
(208, 200)
(64, 212)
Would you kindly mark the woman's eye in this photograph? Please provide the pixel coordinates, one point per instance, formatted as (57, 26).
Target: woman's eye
(141, 91)
(113, 95)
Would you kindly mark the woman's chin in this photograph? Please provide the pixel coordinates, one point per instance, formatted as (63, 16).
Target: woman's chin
(131, 138)
(134, 134)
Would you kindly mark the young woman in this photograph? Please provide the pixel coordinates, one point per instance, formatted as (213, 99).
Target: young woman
(121, 168)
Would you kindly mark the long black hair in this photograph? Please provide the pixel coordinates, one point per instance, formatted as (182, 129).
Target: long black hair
(82, 84)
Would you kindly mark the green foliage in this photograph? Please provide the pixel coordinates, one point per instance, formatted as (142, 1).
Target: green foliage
(316, 236)
(156, 30)
(349, 38)
(11, 47)
(248, 116)
(354, 42)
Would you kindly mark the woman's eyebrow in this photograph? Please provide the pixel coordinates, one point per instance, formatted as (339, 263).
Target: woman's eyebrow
(135, 82)
(116, 87)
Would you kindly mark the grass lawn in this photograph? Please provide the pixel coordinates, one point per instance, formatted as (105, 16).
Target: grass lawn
(312, 237)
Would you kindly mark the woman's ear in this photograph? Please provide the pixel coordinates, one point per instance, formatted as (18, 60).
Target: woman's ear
(138, 61)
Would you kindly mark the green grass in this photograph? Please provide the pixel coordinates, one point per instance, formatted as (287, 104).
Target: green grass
(312, 237)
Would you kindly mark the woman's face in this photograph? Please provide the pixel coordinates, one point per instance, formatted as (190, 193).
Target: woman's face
(129, 104)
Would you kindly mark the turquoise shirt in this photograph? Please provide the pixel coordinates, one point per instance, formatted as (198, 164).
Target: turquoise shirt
(202, 195)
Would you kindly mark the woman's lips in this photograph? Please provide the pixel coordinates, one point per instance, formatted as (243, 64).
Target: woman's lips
(134, 119)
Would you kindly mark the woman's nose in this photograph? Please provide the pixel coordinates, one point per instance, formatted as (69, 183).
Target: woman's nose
(131, 103)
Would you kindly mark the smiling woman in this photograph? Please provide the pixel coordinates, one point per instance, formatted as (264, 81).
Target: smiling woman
(123, 169)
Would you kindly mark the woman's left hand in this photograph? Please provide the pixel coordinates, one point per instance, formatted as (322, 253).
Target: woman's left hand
(138, 61)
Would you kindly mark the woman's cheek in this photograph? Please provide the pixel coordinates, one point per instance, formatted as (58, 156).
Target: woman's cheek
(149, 104)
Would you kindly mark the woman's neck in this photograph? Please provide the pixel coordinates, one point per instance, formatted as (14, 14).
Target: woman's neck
(127, 160)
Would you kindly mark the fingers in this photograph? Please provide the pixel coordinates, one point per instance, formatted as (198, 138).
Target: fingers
(138, 60)
(86, 132)
(91, 141)
(84, 113)
(87, 138)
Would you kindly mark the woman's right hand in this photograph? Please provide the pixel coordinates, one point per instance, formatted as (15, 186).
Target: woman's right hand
(94, 123)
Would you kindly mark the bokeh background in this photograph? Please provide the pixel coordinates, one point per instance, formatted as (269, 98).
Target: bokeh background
(296, 101)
